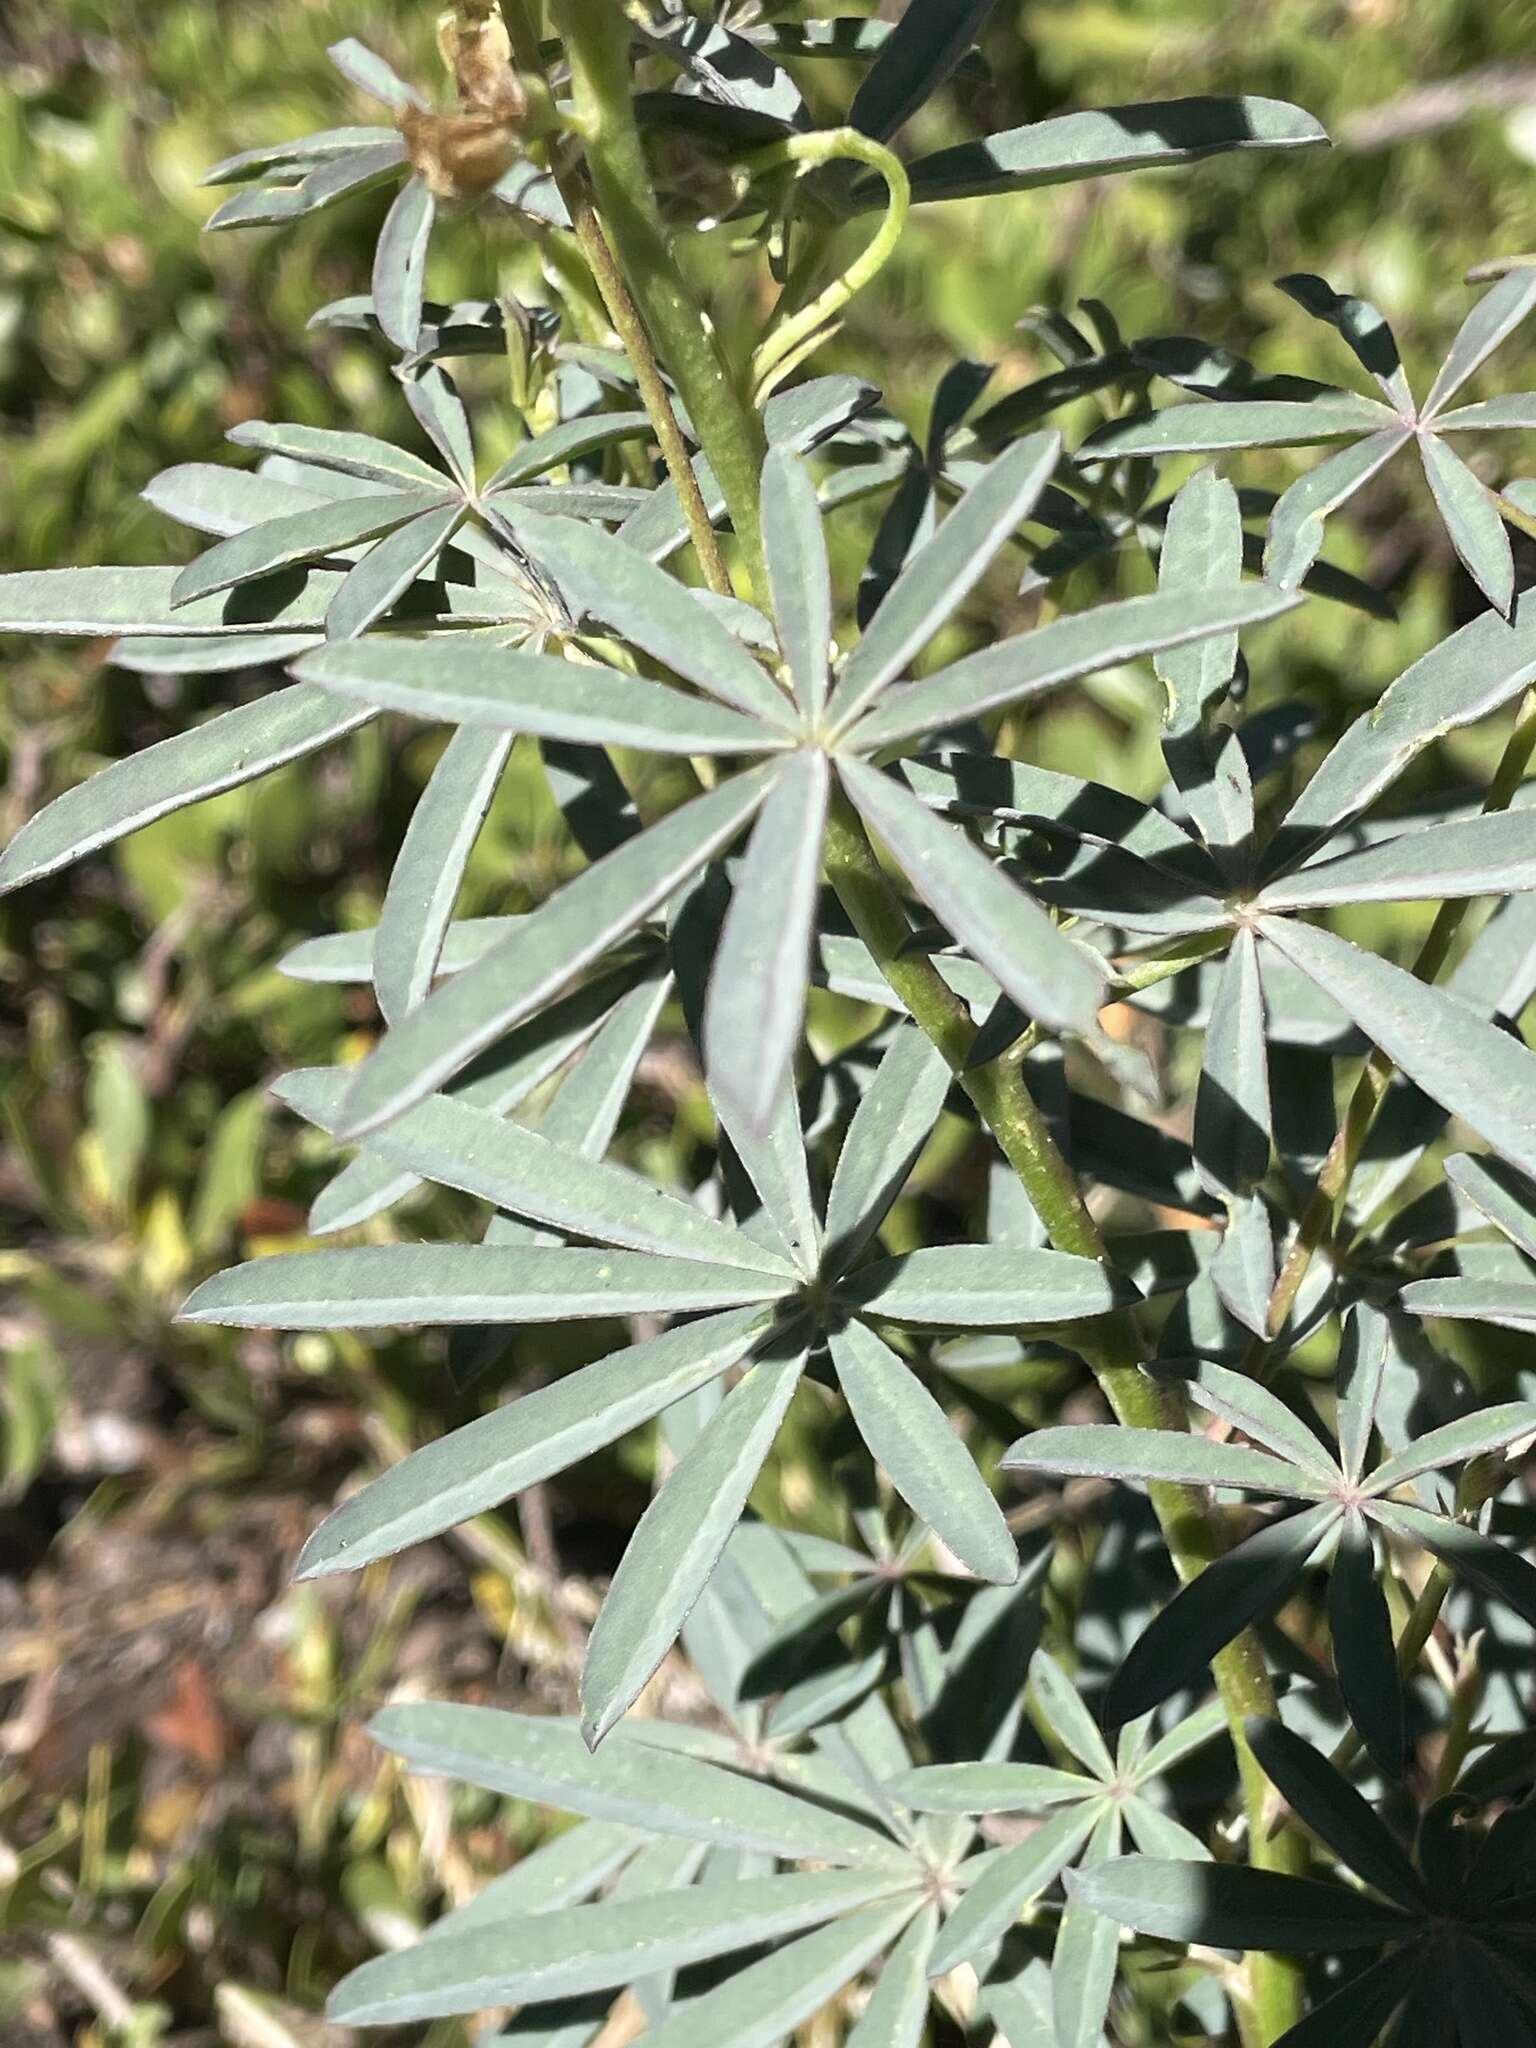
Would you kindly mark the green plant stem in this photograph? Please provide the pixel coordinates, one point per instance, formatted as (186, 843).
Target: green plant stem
(1112, 1347)
(796, 328)
(1344, 1154)
(627, 323)
(596, 39)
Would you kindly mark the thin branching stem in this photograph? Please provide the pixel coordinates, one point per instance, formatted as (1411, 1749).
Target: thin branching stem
(674, 323)
(627, 323)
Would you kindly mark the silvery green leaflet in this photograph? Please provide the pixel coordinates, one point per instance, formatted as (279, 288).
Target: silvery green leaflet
(1181, 1589)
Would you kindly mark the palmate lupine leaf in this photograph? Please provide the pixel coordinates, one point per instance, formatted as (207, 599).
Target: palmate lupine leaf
(582, 1115)
(1490, 855)
(1508, 1304)
(943, 572)
(211, 498)
(1070, 147)
(488, 1461)
(93, 603)
(1058, 653)
(1506, 1198)
(756, 2007)
(654, 612)
(529, 1174)
(1257, 1575)
(680, 1537)
(1363, 326)
(756, 1004)
(564, 1871)
(1232, 1107)
(546, 953)
(1203, 549)
(1214, 426)
(911, 1438)
(1296, 527)
(972, 1286)
(363, 456)
(1451, 1968)
(519, 1276)
(1489, 324)
(429, 868)
(913, 61)
(321, 181)
(982, 786)
(388, 570)
(1006, 1885)
(1087, 1949)
(1228, 1906)
(223, 753)
(378, 1287)
(1367, 1670)
(1153, 1455)
(612, 1006)
(400, 261)
(799, 579)
(593, 1948)
(1471, 518)
(300, 537)
(1324, 1799)
(898, 2005)
(1233, 1133)
(1048, 974)
(328, 142)
(773, 1189)
(1477, 1071)
(892, 1122)
(1247, 1404)
(508, 690)
(629, 1780)
(1468, 510)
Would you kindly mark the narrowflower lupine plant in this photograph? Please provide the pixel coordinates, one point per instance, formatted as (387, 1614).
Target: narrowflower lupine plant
(1075, 1734)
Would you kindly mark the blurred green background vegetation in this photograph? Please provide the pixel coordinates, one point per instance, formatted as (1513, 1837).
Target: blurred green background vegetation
(194, 1838)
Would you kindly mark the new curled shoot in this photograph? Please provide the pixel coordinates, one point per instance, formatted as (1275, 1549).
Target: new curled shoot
(793, 335)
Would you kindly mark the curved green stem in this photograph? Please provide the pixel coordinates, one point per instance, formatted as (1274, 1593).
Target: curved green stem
(791, 338)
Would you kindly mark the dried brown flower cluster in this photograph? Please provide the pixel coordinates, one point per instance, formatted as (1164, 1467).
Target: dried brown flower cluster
(462, 154)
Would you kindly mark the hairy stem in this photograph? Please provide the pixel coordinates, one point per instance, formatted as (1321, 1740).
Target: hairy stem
(1113, 1347)
(1370, 1090)
(596, 38)
(627, 323)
